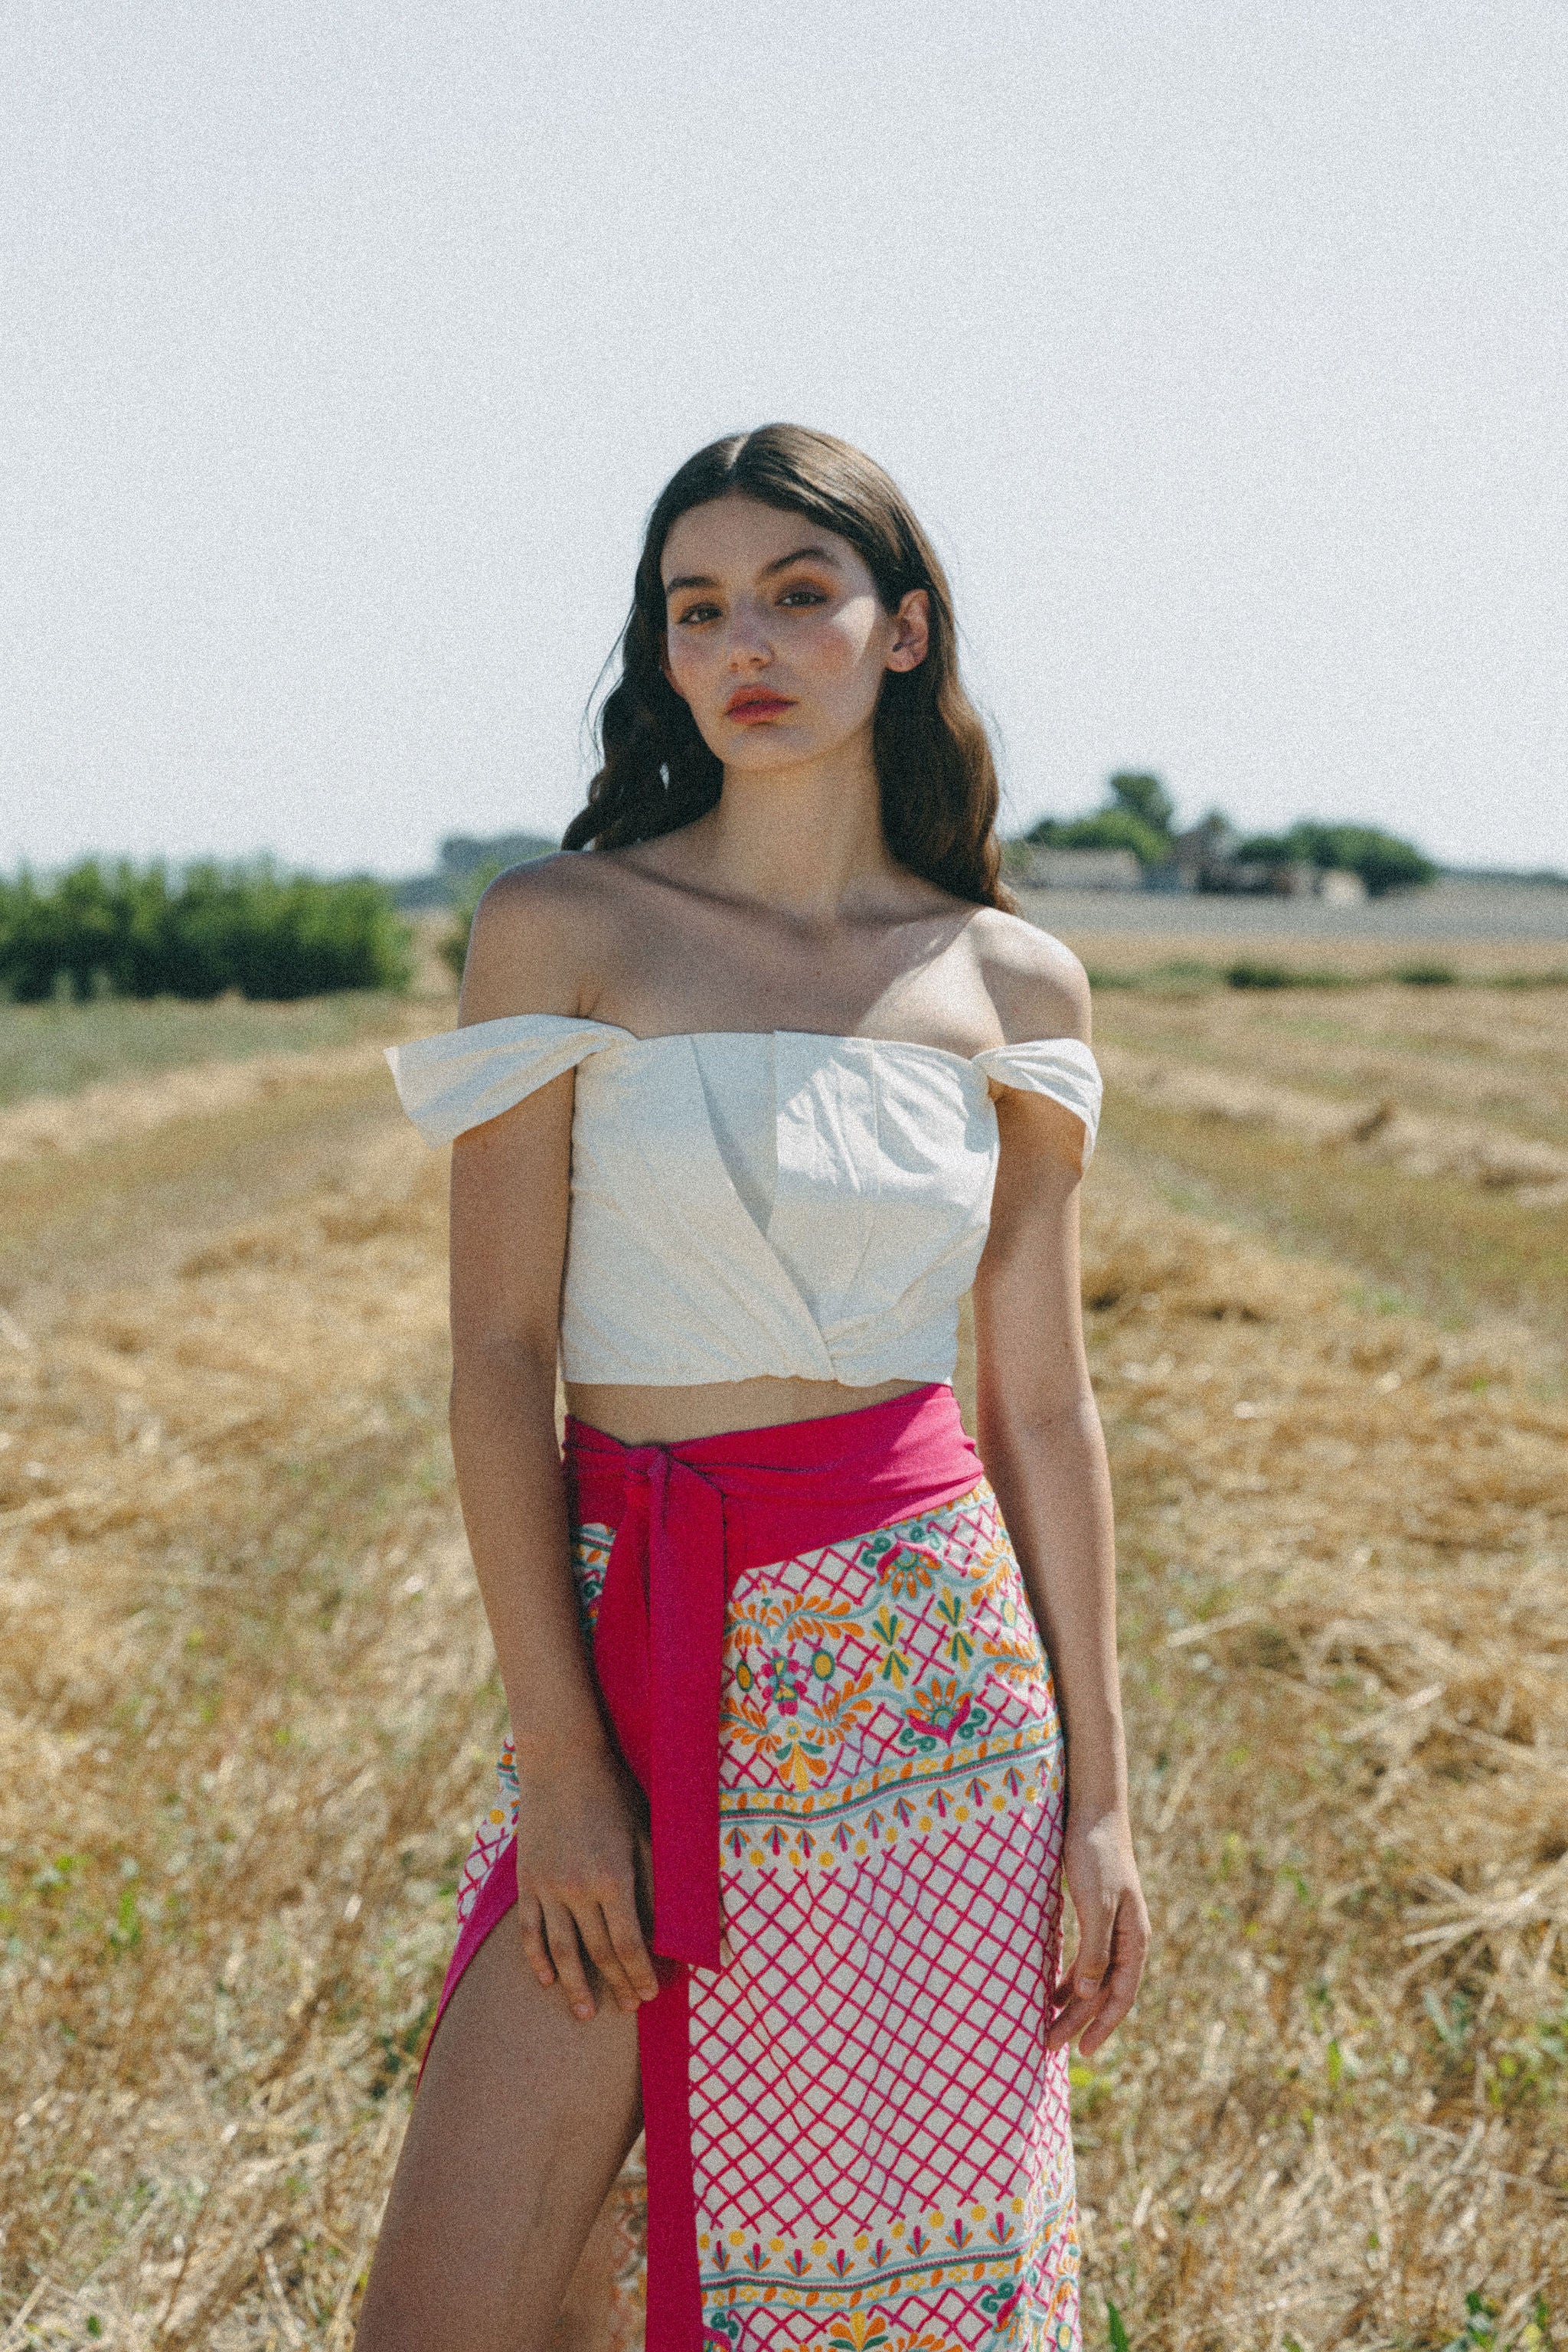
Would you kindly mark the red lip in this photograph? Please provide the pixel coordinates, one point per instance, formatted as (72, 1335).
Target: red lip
(752, 703)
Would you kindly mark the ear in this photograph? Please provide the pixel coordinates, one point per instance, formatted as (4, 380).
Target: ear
(912, 640)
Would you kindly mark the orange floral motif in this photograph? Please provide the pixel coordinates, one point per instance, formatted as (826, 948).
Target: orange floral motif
(786, 1710)
(876, 2331)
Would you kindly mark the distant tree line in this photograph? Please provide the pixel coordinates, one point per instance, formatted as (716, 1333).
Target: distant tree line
(129, 931)
(1139, 815)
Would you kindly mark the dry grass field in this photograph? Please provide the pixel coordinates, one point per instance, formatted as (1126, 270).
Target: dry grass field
(55, 1050)
(1417, 1133)
(247, 1706)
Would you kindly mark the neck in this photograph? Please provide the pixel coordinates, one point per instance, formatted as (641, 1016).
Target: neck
(804, 840)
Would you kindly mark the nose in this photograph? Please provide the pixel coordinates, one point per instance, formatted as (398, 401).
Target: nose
(748, 648)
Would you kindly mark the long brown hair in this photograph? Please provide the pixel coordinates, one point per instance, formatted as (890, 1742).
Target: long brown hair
(937, 778)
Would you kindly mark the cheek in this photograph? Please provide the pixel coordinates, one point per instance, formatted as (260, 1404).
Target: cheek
(842, 646)
(684, 663)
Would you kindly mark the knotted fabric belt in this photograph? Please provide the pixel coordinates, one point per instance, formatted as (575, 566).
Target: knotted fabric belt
(687, 1519)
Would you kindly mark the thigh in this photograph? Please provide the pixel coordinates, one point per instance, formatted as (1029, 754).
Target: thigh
(524, 2119)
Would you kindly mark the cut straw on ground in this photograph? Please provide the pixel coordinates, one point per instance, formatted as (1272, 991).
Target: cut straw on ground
(247, 1710)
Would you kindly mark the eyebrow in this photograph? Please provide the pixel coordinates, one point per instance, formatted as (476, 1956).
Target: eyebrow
(797, 555)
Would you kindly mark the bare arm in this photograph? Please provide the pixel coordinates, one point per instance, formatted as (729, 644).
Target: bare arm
(1040, 1439)
(578, 1826)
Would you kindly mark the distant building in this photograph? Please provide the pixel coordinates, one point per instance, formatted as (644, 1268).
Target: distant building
(1200, 857)
(1204, 858)
(1285, 878)
(1261, 877)
(1037, 868)
(462, 854)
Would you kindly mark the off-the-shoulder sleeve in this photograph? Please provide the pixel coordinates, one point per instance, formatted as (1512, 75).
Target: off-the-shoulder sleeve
(1062, 1067)
(459, 1079)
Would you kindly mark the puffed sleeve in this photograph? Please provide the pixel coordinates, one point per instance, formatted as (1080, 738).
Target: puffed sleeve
(464, 1076)
(1062, 1067)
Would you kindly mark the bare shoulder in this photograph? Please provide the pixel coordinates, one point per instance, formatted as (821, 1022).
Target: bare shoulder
(1036, 986)
(537, 939)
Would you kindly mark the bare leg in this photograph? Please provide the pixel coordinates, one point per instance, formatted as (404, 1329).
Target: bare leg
(524, 2120)
(599, 2314)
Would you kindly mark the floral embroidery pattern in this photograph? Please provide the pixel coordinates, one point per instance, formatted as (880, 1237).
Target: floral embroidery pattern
(891, 1797)
(880, 2141)
(941, 1714)
(876, 2331)
(590, 1560)
(844, 1724)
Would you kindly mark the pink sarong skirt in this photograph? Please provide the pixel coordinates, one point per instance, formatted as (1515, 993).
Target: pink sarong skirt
(816, 1648)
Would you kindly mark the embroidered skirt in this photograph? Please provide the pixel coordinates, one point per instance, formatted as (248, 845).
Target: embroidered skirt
(856, 2139)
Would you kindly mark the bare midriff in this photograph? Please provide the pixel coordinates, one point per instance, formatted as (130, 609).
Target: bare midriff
(653, 1416)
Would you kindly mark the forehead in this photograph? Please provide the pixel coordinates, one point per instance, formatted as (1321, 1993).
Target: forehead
(736, 537)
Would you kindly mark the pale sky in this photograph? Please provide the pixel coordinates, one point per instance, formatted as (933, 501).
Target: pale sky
(1222, 348)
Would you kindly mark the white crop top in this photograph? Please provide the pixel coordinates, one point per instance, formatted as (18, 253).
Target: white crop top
(745, 1204)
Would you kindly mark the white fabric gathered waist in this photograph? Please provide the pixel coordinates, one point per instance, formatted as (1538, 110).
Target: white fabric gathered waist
(742, 1204)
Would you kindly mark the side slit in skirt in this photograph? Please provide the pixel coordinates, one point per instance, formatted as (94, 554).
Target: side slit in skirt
(817, 1651)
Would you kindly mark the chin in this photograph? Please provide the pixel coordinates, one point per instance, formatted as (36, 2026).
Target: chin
(765, 747)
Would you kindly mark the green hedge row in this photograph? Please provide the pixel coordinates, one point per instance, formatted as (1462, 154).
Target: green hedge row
(130, 932)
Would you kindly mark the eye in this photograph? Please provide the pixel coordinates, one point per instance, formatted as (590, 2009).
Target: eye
(695, 613)
(803, 596)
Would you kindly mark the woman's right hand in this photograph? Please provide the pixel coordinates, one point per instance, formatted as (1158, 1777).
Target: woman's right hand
(582, 1854)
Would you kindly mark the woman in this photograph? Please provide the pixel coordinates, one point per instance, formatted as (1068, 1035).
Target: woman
(743, 1103)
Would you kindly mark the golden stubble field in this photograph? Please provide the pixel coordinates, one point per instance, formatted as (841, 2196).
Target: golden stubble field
(247, 1705)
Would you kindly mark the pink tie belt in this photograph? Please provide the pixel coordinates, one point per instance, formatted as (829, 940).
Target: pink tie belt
(687, 1519)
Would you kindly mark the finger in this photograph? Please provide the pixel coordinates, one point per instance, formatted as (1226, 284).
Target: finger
(1073, 2018)
(626, 1935)
(1091, 1960)
(726, 1953)
(1096, 2010)
(1073, 2010)
(1077, 1995)
(534, 1951)
(1102, 2025)
(596, 1942)
(561, 1930)
(1121, 1991)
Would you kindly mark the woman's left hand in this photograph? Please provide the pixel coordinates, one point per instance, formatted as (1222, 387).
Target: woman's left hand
(1096, 1993)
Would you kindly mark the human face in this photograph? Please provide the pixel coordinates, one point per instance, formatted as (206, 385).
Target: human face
(775, 636)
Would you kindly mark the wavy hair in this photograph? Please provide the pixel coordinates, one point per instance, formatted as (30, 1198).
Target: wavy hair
(934, 769)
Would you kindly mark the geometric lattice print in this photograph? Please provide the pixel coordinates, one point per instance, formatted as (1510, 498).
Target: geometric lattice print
(881, 2139)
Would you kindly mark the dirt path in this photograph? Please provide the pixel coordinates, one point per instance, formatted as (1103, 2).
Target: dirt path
(247, 1709)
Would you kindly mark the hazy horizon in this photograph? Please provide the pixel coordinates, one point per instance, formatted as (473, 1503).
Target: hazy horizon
(1222, 353)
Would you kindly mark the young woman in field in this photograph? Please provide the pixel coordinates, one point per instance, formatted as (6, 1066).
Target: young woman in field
(743, 1103)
